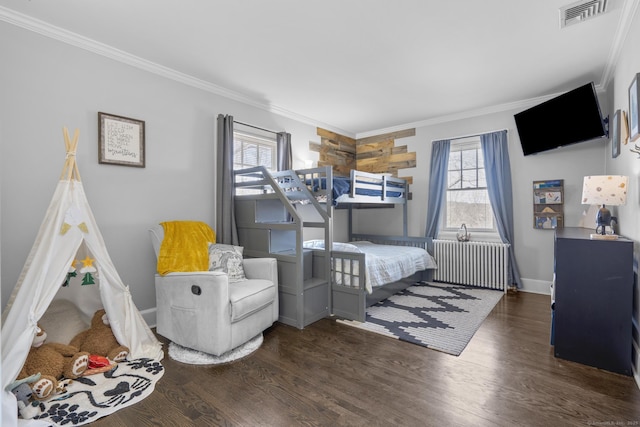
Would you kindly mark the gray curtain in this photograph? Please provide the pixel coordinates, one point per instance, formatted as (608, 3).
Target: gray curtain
(226, 231)
(437, 185)
(498, 171)
(284, 151)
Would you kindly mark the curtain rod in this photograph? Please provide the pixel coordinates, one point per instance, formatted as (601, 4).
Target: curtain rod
(472, 135)
(255, 127)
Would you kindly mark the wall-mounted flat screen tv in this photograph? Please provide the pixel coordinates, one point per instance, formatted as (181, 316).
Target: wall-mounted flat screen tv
(567, 119)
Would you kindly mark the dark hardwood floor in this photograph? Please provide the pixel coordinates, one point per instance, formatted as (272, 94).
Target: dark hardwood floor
(330, 374)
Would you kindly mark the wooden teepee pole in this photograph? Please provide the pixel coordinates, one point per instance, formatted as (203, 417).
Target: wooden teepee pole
(70, 169)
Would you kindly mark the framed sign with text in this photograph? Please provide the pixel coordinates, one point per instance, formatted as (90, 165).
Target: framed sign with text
(120, 140)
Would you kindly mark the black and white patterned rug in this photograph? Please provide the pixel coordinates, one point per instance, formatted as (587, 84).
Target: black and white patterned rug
(94, 396)
(439, 316)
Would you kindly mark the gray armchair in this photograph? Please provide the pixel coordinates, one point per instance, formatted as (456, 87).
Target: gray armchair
(203, 311)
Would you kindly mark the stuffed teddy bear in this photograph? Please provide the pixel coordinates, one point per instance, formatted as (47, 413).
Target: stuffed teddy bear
(99, 339)
(52, 361)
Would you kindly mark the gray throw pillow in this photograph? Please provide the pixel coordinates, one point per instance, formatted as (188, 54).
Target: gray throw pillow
(228, 259)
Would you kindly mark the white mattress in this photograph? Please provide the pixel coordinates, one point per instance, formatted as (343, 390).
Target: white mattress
(385, 264)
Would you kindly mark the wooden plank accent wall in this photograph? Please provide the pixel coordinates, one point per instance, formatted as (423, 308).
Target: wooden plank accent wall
(385, 136)
(379, 154)
(338, 151)
(375, 154)
(381, 149)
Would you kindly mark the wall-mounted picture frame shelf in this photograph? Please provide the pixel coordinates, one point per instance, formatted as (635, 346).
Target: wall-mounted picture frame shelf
(548, 204)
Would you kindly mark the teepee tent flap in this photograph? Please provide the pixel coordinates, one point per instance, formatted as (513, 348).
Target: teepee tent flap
(68, 229)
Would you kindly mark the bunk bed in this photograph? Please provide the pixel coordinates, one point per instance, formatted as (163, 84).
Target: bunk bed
(369, 268)
(359, 187)
(360, 278)
(345, 272)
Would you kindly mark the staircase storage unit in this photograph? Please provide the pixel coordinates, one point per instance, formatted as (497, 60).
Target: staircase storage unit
(272, 211)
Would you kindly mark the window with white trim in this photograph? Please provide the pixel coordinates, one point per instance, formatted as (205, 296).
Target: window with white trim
(467, 199)
(252, 150)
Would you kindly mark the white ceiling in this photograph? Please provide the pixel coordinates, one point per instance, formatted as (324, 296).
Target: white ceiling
(355, 66)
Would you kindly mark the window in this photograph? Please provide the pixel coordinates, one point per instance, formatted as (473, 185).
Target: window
(251, 150)
(467, 197)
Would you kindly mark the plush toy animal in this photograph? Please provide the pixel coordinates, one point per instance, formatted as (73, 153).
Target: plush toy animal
(99, 339)
(23, 395)
(52, 361)
(22, 391)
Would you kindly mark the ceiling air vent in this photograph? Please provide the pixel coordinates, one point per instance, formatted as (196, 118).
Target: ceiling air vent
(581, 11)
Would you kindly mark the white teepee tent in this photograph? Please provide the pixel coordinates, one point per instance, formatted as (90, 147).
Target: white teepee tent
(68, 229)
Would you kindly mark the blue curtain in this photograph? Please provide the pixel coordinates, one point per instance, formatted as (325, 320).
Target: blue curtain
(437, 185)
(498, 171)
(226, 231)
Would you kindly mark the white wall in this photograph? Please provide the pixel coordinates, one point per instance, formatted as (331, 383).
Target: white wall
(628, 163)
(46, 85)
(534, 248)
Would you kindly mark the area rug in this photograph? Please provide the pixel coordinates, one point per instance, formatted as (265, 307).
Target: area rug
(195, 357)
(439, 316)
(91, 397)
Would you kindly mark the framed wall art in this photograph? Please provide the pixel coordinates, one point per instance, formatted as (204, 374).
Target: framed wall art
(615, 133)
(548, 204)
(634, 95)
(120, 140)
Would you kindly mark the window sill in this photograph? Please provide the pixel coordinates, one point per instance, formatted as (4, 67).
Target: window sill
(476, 236)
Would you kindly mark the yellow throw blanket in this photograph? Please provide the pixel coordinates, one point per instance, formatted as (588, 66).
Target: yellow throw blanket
(185, 246)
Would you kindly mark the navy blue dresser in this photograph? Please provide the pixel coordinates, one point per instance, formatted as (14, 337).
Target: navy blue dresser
(593, 300)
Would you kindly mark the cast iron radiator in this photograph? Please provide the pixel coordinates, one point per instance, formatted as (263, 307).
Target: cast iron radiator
(483, 264)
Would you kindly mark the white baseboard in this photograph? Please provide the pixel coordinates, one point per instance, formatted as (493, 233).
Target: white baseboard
(149, 316)
(535, 286)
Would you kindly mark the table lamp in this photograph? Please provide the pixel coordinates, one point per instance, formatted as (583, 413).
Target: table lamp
(604, 190)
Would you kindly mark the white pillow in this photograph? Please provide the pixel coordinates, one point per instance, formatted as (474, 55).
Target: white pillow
(313, 244)
(228, 259)
(345, 247)
(62, 321)
(337, 246)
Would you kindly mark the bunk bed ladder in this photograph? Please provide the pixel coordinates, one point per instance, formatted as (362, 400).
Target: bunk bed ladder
(271, 225)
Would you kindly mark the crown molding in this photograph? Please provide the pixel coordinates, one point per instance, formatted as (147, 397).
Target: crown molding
(37, 26)
(627, 14)
(457, 116)
(526, 103)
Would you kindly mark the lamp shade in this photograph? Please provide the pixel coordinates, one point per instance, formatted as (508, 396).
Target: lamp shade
(605, 190)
